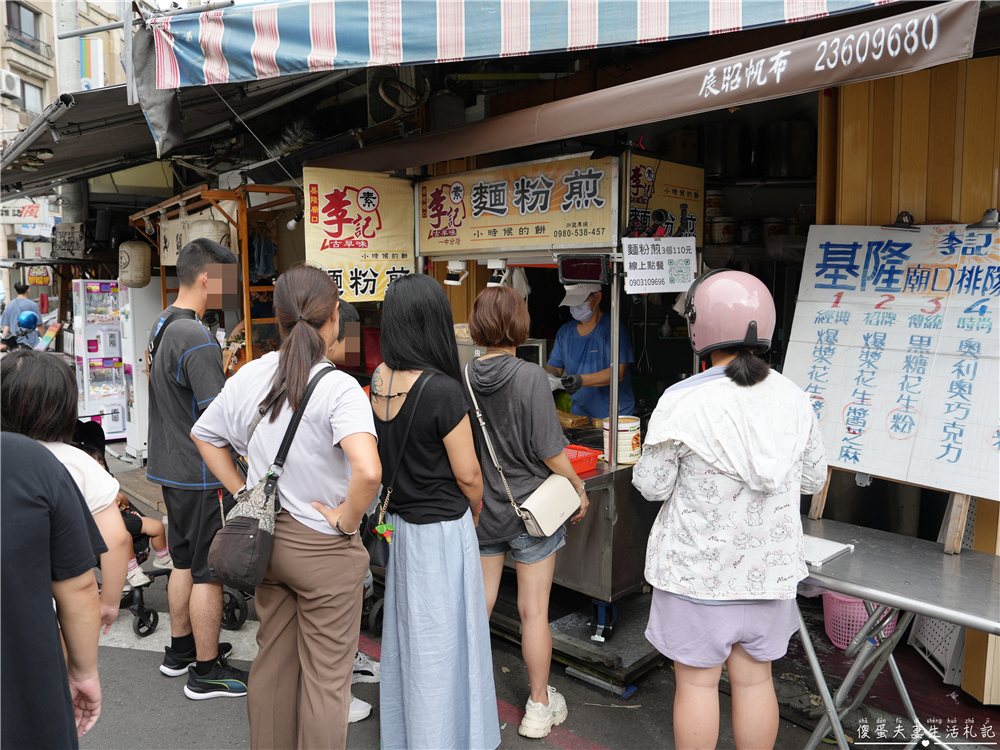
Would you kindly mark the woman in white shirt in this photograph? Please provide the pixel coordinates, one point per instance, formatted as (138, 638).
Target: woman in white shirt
(38, 398)
(309, 602)
(728, 452)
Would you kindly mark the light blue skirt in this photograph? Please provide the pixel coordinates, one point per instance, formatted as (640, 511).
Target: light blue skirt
(436, 690)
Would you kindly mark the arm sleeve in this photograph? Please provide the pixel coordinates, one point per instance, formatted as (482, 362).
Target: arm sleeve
(546, 432)
(350, 410)
(200, 368)
(218, 424)
(74, 541)
(447, 398)
(98, 487)
(655, 474)
(814, 461)
(556, 356)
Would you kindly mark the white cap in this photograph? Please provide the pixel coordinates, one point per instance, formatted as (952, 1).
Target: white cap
(576, 294)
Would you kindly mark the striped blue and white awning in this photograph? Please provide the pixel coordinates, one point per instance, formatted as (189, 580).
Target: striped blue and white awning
(269, 39)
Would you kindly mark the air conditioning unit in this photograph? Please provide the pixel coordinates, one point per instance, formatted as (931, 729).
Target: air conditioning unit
(11, 84)
(379, 110)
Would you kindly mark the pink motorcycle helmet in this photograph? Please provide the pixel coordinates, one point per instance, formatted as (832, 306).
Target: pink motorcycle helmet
(728, 309)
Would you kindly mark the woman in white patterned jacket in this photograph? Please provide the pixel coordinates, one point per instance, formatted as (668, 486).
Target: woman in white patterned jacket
(728, 452)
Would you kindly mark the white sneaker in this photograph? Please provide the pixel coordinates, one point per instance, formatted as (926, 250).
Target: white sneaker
(137, 578)
(366, 669)
(359, 710)
(539, 718)
(166, 563)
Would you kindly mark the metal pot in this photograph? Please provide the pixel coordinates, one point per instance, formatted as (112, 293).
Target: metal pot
(787, 149)
(727, 149)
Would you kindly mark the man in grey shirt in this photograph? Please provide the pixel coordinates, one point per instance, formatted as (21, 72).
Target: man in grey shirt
(185, 376)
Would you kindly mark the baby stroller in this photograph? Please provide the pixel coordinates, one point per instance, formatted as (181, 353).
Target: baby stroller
(235, 604)
(89, 437)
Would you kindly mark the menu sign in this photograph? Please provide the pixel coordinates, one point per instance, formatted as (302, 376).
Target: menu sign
(895, 341)
(658, 264)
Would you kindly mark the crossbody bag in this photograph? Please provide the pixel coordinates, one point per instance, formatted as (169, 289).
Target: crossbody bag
(242, 548)
(545, 509)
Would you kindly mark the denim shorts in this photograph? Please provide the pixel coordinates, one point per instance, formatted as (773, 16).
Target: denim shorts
(527, 549)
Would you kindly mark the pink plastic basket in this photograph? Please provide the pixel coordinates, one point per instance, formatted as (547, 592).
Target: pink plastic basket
(844, 616)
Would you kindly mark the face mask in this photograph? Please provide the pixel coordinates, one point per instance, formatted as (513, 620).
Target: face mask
(582, 312)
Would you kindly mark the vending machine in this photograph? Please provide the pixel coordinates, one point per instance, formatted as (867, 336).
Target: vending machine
(139, 308)
(97, 342)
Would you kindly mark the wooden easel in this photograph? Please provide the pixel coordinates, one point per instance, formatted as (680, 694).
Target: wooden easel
(952, 526)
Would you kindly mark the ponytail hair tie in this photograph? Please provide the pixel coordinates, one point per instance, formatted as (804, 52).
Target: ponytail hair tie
(301, 317)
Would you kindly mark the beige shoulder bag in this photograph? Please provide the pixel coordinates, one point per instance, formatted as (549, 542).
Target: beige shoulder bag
(548, 507)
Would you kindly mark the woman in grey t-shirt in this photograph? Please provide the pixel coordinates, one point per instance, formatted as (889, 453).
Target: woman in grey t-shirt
(517, 404)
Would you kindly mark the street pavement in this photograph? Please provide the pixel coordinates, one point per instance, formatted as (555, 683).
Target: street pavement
(144, 709)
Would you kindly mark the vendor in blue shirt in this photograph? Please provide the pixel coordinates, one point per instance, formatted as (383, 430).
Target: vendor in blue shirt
(581, 355)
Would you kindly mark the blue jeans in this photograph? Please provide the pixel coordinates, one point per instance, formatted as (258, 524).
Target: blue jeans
(527, 549)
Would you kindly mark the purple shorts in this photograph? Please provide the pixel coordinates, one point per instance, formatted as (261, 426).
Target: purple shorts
(702, 635)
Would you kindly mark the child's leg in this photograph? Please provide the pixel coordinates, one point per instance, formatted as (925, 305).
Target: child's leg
(755, 706)
(154, 530)
(696, 707)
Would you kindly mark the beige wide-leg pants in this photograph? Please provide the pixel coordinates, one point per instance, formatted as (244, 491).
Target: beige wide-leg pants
(309, 606)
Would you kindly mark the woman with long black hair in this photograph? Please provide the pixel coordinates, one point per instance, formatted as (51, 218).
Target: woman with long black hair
(309, 603)
(437, 686)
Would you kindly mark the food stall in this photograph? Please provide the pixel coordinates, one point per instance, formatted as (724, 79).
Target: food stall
(567, 214)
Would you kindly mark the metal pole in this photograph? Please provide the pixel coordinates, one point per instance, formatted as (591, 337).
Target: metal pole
(615, 346)
(214, 5)
(824, 691)
(23, 142)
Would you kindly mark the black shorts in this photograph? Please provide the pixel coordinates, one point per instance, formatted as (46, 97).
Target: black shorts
(133, 524)
(193, 518)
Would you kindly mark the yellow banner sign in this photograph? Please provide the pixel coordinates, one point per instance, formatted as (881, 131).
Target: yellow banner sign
(563, 204)
(677, 190)
(359, 227)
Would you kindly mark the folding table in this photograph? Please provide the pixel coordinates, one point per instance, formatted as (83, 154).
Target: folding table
(895, 574)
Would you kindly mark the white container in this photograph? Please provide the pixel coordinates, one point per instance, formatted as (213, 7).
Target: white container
(629, 439)
(713, 203)
(133, 263)
(723, 230)
(217, 231)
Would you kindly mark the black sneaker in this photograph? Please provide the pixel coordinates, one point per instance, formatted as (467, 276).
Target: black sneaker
(223, 681)
(175, 664)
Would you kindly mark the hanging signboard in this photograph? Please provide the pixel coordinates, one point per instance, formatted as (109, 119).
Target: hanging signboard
(895, 339)
(23, 211)
(658, 264)
(359, 227)
(667, 194)
(557, 205)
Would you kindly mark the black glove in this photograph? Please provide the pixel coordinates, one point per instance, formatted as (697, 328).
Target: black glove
(572, 383)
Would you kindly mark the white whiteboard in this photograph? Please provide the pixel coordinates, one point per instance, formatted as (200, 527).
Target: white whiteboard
(895, 339)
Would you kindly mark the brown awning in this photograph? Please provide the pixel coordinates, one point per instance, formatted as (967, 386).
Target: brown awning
(899, 44)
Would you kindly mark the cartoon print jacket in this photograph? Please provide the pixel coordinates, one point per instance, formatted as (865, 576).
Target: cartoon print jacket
(728, 464)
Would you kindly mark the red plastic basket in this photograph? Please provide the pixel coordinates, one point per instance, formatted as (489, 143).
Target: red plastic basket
(583, 459)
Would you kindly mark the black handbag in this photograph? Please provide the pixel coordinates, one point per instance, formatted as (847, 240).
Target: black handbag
(375, 532)
(242, 548)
